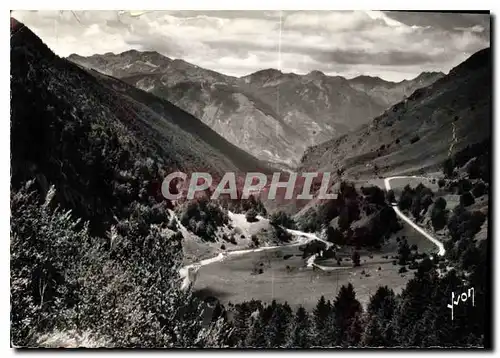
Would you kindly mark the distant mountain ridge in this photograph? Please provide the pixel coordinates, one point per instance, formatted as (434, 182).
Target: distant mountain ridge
(275, 116)
(418, 133)
(388, 93)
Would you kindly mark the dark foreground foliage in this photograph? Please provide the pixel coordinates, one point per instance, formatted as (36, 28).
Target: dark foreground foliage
(418, 317)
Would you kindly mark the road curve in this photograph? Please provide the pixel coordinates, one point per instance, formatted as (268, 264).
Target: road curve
(439, 244)
(189, 273)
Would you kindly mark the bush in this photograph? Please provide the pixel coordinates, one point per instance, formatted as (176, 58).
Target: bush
(479, 189)
(282, 234)
(402, 270)
(255, 240)
(251, 216)
(439, 214)
(281, 218)
(335, 236)
(403, 252)
(448, 168)
(466, 199)
(391, 198)
(374, 195)
(45, 247)
(356, 259)
(464, 185)
(203, 217)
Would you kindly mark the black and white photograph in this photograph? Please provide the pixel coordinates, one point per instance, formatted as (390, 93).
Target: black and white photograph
(251, 179)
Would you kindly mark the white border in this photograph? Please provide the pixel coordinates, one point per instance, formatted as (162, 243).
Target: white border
(192, 5)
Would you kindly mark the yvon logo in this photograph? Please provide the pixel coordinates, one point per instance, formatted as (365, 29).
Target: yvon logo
(462, 297)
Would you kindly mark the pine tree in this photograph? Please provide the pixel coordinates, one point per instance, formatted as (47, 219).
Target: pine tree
(355, 331)
(301, 333)
(279, 325)
(256, 337)
(382, 303)
(415, 300)
(321, 316)
(380, 312)
(373, 333)
(346, 308)
(241, 322)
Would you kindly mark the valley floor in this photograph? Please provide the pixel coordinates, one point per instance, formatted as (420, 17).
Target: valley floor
(282, 273)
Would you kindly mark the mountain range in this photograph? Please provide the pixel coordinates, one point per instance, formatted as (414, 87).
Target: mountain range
(272, 115)
(99, 140)
(418, 133)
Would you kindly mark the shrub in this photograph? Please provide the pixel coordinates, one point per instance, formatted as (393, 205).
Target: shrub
(283, 219)
(282, 235)
(448, 168)
(466, 199)
(403, 252)
(255, 240)
(479, 189)
(203, 217)
(402, 270)
(251, 216)
(439, 214)
(374, 194)
(356, 259)
(391, 198)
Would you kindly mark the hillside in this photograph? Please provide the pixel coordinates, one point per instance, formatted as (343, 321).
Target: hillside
(274, 116)
(100, 141)
(417, 134)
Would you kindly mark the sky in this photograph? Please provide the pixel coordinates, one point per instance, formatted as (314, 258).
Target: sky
(391, 45)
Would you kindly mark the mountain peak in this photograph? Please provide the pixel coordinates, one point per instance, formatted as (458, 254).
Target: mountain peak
(480, 59)
(369, 80)
(316, 74)
(268, 72)
(428, 75)
(130, 52)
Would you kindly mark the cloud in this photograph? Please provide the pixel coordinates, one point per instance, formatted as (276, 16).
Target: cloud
(392, 45)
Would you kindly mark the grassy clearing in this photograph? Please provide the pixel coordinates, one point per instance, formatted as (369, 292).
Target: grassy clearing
(285, 277)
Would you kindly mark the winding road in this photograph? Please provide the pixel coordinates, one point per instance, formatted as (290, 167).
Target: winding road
(435, 241)
(189, 273)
